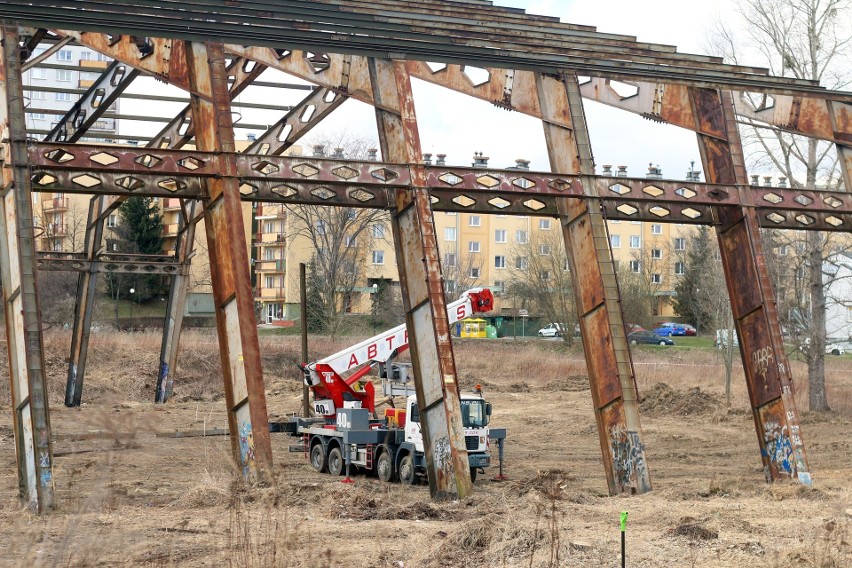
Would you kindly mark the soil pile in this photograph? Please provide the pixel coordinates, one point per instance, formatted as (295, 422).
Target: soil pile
(663, 399)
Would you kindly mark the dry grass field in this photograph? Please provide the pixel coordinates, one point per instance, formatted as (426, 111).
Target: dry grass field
(133, 498)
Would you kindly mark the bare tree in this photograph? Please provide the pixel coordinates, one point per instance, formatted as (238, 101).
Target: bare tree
(805, 39)
(640, 281)
(341, 238)
(542, 279)
(461, 273)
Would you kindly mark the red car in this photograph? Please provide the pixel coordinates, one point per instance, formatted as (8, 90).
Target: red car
(690, 330)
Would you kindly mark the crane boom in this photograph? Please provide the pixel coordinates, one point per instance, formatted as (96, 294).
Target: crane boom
(324, 377)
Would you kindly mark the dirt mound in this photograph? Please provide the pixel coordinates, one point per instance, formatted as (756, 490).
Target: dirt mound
(663, 399)
(575, 383)
(693, 529)
(364, 507)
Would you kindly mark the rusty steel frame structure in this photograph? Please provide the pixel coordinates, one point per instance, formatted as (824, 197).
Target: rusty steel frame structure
(370, 51)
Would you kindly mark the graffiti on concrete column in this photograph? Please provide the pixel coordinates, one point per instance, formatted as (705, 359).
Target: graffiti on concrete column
(778, 449)
(628, 456)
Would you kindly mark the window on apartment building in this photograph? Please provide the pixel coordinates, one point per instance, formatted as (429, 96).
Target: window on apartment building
(849, 314)
(450, 286)
(656, 254)
(378, 257)
(37, 95)
(86, 56)
(500, 236)
(269, 253)
(269, 282)
(474, 272)
(656, 229)
(615, 221)
(500, 261)
(450, 259)
(475, 221)
(63, 75)
(635, 266)
(635, 241)
(783, 250)
(101, 57)
(680, 243)
(269, 227)
(567, 265)
(378, 231)
(522, 262)
(64, 55)
(636, 222)
(521, 236)
(544, 275)
(38, 73)
(112, 221)
(717, 256)
(450, 234)
(544, 250)
(320, 227)
(473, 246)
(351, 214)
(680, 268)
(544, 224)
(656, 278)
(64, 97)
(350, 241)
(615, 241)
(38, 116)
(451, 212)
(499, 286)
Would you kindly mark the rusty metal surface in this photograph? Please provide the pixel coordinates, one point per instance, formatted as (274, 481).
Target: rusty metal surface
(608, 359)
(422, 289)
(30, 408)
(767, 370)
(238, 343)
(383, 29)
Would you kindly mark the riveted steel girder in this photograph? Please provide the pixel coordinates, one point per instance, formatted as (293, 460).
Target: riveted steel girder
(94, 103)
(767, 370)
(68, 263)
(30, 409)
(229, 265)
(435, 376)
(608, 359)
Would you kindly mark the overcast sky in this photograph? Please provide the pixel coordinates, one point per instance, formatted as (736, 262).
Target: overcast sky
(458, 126)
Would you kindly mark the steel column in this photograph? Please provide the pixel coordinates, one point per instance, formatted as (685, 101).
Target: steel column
(176, 306)
(229, 264)
(608, 360)
(422, 287)
(768, 377)
(84, 306)
(31, 412)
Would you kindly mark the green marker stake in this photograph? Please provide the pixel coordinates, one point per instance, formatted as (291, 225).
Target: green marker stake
(623, 534)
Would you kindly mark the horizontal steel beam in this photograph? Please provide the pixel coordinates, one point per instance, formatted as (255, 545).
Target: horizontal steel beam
(77, 262)
(503, 39)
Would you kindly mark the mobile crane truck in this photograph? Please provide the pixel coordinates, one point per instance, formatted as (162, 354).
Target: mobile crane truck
(346, 432)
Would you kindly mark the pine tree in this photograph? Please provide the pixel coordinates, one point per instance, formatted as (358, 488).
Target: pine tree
(139, 232)
(697, 265)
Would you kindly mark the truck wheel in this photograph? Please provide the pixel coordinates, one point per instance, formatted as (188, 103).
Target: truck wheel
(335, 461)
(384, 467)
(318, 461)
(406, 470)
(473, 471)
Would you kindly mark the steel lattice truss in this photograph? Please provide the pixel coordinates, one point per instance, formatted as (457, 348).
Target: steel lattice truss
(369, 51)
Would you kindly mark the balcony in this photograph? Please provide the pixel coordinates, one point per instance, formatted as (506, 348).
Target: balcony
(93, 64)
(171, 204)
(55, 230)
(270, 266)
(170, 230)
(273, 239)
(55, 204)
(85, 83)
(271, 294)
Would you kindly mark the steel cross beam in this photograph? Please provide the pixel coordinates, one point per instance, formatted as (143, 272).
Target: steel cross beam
(229, 266)
(79, 262)
(96, 169)
(598, 301)
(30, 410)
(767, 370)
(420, 277)
(94, 103)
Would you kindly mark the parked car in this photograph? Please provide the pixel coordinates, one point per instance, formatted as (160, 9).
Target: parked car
(668, 329)
(552, 330)
(834, 349)
(721, 339)
(648, 338)
(690, 330)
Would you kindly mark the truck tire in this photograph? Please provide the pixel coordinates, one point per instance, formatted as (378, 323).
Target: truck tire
(384, 467)
(336, 464)
(473, 472)
(318, 460)
(406, 470)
